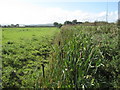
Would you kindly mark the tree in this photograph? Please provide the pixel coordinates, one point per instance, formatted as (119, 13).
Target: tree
(59, 25)
(12, 25)
(67, 23)
(86, 21)
(17, 25)
(55, 24)
(74, 22)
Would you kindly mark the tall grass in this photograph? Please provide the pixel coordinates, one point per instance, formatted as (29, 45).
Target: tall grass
(83, 56)
(0, 57)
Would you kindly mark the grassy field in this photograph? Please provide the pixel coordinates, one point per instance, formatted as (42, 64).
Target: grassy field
(70, 57)
(23, 53)
(20, 34)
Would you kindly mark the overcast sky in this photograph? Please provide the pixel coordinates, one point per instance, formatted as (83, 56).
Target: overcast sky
(49, 11)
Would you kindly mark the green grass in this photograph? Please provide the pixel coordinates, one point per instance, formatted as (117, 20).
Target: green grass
(0, 56)
(17, 34)
(23, 53)
(74, 57)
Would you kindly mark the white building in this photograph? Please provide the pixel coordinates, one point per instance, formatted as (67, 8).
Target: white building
(21, 25)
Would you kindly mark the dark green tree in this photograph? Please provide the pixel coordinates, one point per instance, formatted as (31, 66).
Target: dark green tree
(55, 24)
(74, 22)
(67, 23)
(17, 25)
(59, 25)
(12, 25)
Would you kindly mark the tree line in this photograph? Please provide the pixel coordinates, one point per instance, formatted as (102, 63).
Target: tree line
(86, 23)
(74, 22)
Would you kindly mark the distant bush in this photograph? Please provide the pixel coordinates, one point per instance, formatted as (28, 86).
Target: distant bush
(59, 25)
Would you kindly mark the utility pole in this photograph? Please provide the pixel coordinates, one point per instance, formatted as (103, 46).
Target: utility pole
(106, 15)
(119, 10)
(118, 24)
(107, 12)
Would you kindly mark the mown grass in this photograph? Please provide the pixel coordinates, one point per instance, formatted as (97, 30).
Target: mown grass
(18, 34)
